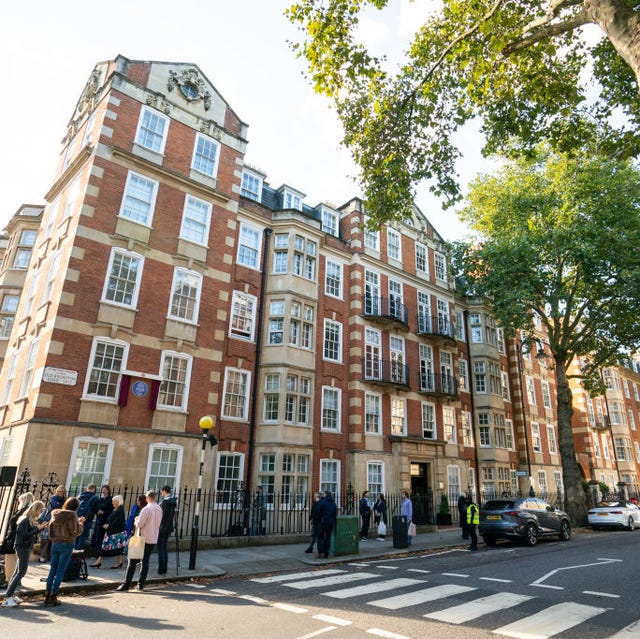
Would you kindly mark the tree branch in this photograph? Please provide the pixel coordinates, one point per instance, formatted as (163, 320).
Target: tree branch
(554, 9)
(546, 32)
(434, 67)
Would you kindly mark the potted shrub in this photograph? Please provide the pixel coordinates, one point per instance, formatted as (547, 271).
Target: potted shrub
(443, 518)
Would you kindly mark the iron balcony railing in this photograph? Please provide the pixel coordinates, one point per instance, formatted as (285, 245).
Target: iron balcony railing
(388, 308)
(385, 371)
(435, 325)
(436, 384)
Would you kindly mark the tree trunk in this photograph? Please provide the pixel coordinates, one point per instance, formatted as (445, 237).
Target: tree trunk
(621, 25)
(575, 498)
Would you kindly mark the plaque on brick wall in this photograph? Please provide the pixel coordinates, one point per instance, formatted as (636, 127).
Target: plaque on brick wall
(60, 376)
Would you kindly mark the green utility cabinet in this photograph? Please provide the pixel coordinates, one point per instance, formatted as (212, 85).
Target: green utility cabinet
(344, 537)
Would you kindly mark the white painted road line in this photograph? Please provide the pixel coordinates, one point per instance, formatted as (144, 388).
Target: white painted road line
(550, 621)
(546, 586)
(317, 632)
(253, 599)
(632, 631)
(368, 589)
(454, 574)
(424, 572)
(502, 581)
(600, 594)
(293, 577)
(479, 607)
(419, 596)
(387, 567)
(290, 608)
(331, 581)
(221, 591)
(385, 633)
(334, 620)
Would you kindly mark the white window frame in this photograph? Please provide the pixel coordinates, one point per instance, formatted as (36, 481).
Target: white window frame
(552, 441)
(422, 260)
(335, 467)
(202, 158)
(196, 220)
(29, 368)
(136, 283)
(332, 328)
(337, 394)
(185, 383)
(394, 245)
(100, 441)
(146, 113)
(246, 232)
(428, 416)
(536, 440)
(178, 274)
(546, 393)
(175, 482)
(250, 179)
(145, 218)
(87, 382)
(376, 471)
(330, 221)
(333, 278)
(243, 300)
(440, 268)
(246, 375)
(449, 426)
(396, 404)
(373, 400)
(227, 504)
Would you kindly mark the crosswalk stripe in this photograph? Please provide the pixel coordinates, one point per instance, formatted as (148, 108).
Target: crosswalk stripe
(377, 586)
(550, 621)
(419, 596)
(632, 631)
(330, 581)
(292, 577)
(336, 621)
(478, 607)
(378, 632)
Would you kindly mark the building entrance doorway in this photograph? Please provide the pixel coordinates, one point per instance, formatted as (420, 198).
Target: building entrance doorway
(421, 494)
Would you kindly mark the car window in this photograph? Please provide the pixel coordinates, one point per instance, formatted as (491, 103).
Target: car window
(609, 504)
(499, 504)
(531, 504)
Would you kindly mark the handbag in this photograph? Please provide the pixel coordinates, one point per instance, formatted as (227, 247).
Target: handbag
(135, 549)
(116, 541)
(412, 530)
(382, 529)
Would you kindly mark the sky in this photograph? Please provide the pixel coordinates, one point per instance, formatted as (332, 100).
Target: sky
(50, 49)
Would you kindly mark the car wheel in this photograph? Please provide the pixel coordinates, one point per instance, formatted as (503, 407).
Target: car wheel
(531, 535)
(490, 540)
(632, 524)
(565, 531)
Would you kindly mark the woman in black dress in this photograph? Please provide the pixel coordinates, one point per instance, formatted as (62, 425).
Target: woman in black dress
(104, 508)
(114, 535)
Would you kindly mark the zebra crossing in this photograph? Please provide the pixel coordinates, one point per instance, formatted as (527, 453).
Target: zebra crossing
(405, 593)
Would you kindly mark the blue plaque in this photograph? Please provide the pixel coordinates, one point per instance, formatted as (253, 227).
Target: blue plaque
(140, 389)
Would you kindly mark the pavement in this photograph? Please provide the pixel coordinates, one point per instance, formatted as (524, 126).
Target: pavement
(246, 560)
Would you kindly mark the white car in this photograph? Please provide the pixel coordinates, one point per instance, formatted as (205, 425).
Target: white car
(608, 514)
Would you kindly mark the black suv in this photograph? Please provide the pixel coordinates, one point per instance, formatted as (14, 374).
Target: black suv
(526, 519)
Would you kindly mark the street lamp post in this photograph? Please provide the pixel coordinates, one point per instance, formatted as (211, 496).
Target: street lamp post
(524, 418)
(206, 423)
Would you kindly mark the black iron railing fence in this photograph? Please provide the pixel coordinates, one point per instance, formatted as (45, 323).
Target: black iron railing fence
(235, 513)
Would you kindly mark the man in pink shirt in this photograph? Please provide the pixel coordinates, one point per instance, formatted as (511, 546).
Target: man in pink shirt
(148, 522)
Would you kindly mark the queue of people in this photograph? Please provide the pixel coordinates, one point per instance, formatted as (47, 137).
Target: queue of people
(65, 525)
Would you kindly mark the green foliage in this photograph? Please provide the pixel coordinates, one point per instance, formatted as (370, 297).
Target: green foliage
(468, 60)
(443, 508)
(557, 236)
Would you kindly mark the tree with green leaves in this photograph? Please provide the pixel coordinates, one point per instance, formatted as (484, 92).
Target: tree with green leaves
(557, 237)
(524, 68)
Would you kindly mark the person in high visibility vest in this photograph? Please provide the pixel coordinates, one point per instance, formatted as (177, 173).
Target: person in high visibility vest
(473, 519)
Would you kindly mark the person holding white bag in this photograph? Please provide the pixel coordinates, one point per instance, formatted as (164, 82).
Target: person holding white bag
(147, 528)
(380, 510)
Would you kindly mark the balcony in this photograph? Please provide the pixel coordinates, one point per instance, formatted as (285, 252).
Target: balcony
(387, 312)
(436, 326)
(385, 373)
(437, 385)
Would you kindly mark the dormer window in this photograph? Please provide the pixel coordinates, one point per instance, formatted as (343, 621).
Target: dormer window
(291, 200)
(251, 185)
(329, 221)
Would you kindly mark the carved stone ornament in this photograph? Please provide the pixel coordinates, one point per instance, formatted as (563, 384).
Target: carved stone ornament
(191, 85)
(87, 103)
(208, 127)
(157, 102)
